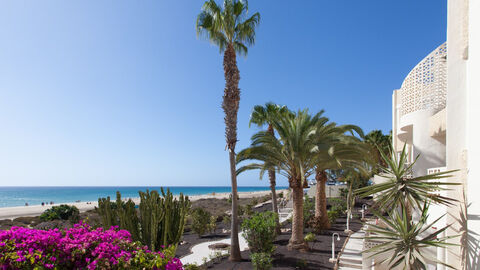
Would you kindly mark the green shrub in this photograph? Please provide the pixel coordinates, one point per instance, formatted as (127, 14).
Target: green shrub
(254, 201)
(63, 211)
(248, 210)
(192, 266)
(332, 216)
(338, 204)
(212, 226)
(308, 210)
(227, 220)
(280, 195)
(261, 260)
(259, 231)
(200, 221)
(310, 237)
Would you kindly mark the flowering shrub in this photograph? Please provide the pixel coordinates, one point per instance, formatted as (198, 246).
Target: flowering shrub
(80, 247)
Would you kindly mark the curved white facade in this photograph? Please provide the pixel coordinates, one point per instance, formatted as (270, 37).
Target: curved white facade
(419, 112)
(419, 119)
(435, 112)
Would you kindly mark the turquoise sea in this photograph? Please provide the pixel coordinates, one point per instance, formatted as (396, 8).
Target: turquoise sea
(18, 196)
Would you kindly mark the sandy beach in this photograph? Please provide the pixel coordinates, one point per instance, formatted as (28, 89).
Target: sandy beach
(36, 210)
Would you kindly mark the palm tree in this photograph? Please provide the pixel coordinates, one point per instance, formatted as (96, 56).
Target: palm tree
(232, 32)
(404, 243)
(291, 156)
(355, 177)
(265, 115)
(378, 142)
(333, 150)
(401, 189)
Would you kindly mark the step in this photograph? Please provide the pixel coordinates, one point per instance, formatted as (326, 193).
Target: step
(348, 265)
(351, 261)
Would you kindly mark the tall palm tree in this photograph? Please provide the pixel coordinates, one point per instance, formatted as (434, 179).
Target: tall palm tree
(265, 115)
(291, 156)
(334, 149)
(229, 28)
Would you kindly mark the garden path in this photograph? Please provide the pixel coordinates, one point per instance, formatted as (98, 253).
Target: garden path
(202, 254)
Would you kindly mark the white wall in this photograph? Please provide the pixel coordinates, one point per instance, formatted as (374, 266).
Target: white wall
(431, 151)
(473, 130)
(331, 191)
(458, 111)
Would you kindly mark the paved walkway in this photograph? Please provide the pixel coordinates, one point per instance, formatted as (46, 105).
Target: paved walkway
(201, 253)
(351, 258)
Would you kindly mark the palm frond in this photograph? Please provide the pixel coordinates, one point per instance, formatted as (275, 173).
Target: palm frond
(226, 26)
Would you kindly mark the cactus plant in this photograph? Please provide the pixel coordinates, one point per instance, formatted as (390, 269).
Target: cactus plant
(160, 220)
(127, 217)
(106, 212)
(175, 211)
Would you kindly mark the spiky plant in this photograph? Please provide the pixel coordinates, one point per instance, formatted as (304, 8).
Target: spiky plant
(402, 189)
(232, 31)
(405, 243)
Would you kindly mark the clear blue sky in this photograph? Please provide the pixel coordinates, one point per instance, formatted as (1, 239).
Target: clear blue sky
(123, 93)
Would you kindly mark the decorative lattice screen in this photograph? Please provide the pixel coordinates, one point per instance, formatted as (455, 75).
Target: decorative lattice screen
(425, 87)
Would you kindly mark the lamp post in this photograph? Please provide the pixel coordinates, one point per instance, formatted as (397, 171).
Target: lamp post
(349, 216)
(333, 247)
(364, 208)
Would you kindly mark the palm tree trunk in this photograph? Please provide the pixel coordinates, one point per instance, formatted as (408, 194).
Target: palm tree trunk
(408, 210)
(271, 176)
(230, 104)
(321, 199)
(234, 244)
(297, 240)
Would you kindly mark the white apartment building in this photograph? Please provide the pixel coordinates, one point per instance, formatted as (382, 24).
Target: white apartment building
(436, 115)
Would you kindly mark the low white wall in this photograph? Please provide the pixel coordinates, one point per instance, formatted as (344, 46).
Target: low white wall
(331, 191)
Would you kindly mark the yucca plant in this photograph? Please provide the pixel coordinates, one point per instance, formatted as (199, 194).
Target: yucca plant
(405, 243)
(402, 189)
